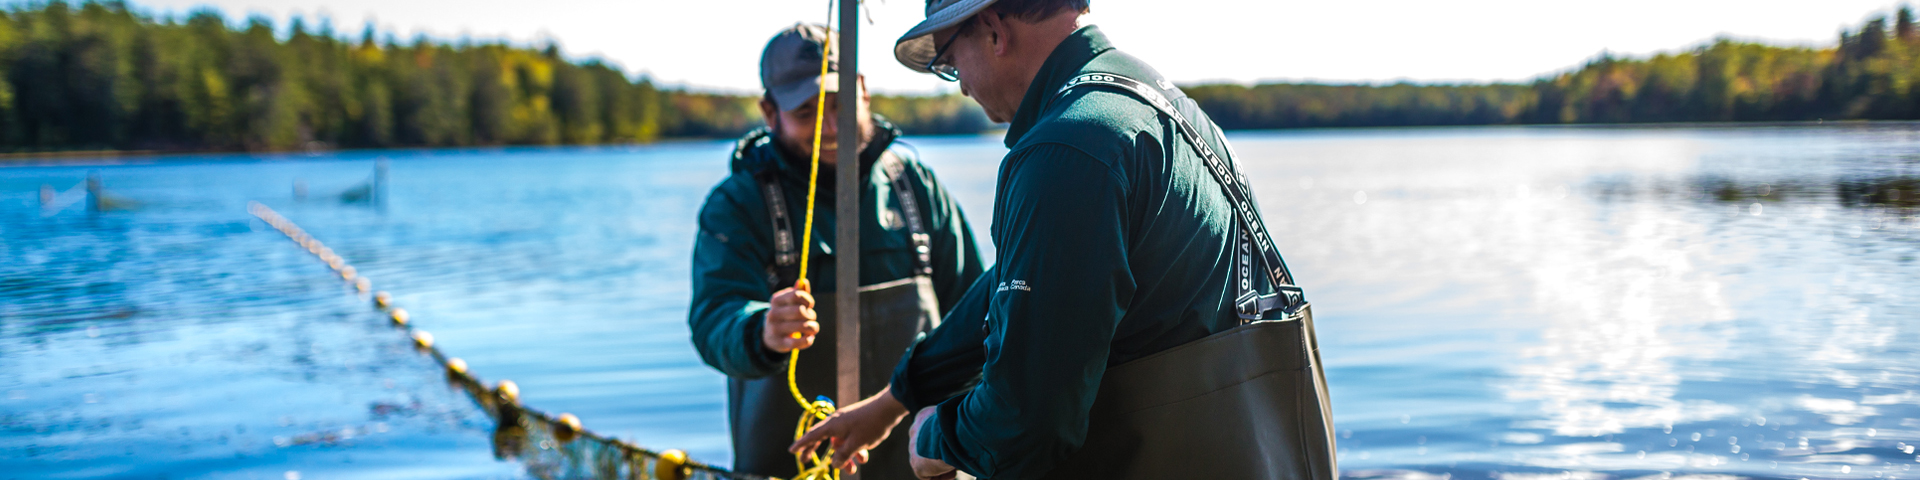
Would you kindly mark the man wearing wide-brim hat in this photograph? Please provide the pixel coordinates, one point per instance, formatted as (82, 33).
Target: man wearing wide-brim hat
(1138, 321)
(748, 315)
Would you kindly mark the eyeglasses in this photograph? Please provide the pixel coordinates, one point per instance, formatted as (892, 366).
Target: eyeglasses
(947, 71)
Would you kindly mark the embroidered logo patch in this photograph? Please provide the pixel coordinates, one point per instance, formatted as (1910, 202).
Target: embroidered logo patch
(1012, 285)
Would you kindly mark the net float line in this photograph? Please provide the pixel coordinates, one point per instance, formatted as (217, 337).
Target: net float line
(544, 441)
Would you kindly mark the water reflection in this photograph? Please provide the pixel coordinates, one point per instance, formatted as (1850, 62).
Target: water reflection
(1900, 192)
(1884, 203)
(1625, 305)
(1631, 304)
(1522, 304)
(1671, 339)
(182, 338)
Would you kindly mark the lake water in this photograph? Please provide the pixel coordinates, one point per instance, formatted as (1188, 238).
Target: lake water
(1512, 303)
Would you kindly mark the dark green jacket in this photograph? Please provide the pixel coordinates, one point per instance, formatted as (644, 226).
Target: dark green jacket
(731, 256)
(1114, 243)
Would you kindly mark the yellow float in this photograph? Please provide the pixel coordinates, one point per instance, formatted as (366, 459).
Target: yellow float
(672, 465)
(508, 391)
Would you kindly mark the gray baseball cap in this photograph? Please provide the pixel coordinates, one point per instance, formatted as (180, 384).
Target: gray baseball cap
(790, 66)
(916, 48)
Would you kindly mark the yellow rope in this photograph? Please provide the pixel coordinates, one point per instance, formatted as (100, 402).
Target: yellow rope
(822, 464)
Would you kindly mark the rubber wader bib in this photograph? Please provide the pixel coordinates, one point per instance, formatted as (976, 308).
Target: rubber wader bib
(761, 411)
(1246, 403)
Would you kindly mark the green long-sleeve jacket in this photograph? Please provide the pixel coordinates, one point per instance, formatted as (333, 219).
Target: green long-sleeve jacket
(1114, 243)
(731, 256)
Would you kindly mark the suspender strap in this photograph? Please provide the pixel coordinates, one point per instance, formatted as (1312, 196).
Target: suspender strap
(786, 256)
(786, 252)
(909, 208)
(1252, 231)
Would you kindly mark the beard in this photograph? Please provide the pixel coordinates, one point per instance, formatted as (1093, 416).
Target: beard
(801, 149)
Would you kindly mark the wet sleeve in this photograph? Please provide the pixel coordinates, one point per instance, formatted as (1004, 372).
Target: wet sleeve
(1062, 283)
(730, 291)
(946, 361)
(956, 258)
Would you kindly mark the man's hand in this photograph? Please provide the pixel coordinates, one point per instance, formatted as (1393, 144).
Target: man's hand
(855, 429)
(791, 322)
(923, 467)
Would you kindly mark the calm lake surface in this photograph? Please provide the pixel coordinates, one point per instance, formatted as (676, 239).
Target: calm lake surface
(1512, 303)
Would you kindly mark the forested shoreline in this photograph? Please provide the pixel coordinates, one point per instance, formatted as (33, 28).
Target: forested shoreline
(103, 76)
(1873, 73)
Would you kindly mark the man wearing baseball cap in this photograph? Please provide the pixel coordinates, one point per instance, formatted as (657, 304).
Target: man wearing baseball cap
(1138, 321)
(917, 256)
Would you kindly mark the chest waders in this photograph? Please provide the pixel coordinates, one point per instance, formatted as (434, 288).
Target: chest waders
(761, 411)
(1247, 403)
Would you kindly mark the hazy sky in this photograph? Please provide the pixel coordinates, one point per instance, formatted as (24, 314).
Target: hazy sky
(716, 43)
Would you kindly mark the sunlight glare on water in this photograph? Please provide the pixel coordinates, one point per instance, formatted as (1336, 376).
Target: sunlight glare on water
(1502, 303)
(1679, 289)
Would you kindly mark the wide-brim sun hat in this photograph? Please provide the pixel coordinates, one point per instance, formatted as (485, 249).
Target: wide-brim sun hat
(916, 48)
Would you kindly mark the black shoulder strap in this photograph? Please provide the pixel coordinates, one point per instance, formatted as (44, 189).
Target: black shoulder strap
(896, 170)
(1252, 230)
(786, 253)
(786, 257)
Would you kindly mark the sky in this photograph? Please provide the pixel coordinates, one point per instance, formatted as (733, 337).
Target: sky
(715, 44)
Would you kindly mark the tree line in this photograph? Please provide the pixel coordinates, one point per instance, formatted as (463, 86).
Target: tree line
(99, 75)
(1873, 73)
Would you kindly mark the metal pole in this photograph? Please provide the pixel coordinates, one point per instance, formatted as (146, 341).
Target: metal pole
(846, 212)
